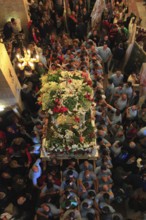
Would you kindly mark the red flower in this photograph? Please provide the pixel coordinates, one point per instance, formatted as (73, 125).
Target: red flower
(77, 119)
(89, 82)
(85, 75)
(67, 148)
(55, 110)
(81, 139)
(61, 109)
(69, 81)
(88, 96)
(57, 101)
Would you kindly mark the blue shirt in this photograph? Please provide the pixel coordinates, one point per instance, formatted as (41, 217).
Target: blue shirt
(35, 175)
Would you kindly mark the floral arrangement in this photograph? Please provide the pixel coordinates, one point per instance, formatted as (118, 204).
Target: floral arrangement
(67, 98)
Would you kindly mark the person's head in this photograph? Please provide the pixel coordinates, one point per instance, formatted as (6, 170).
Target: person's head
(2, 195)
(120, 133)
(69, 182)
(116, 217)
(85, 205)
(118, 73)
(49, 185)
(35, 168)
(105, 37)
(120, 87)
(84, 10)
(67, 204)
(105, 188)
(67, 193)
(105, 46)
(6, 175)
(94, 32)
(54, 161)
(86, 164)
(106, 210)
(70, 174)
(132, 144)
(110, 80)
(87, 174)
(46, 207)
(91, 194)
(71, 216)
(90, 216)
(124, 97)
(13, 20)
(10, 129)
(134, 108)
(49, 177)
(4, 159)
(72, 163)
(21, 200)
(73, 12)
(99, 140)
(103, 168)
(129, 84)
(38, 125)
(19, 181)
(106, 197)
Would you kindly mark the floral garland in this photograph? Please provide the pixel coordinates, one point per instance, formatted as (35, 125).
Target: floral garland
(67, 97)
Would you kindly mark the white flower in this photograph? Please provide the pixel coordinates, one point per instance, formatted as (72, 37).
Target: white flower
(75, 146)
(50, 112)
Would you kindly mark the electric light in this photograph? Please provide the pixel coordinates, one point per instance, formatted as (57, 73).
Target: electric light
(2, 108)
(27, 60)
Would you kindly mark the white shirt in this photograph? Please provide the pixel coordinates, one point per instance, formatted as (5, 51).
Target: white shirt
(115, 118)
(105, 54)
(132, 113)
(128, 91)
(117, 80)
(121, 103)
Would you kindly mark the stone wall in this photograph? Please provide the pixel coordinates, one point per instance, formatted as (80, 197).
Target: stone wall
(14, 9)
(9, 85)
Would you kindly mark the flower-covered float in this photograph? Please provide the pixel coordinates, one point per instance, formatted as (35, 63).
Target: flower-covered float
(67, 99)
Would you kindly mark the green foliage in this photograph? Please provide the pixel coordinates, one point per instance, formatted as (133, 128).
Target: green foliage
(87, 89)
(76, 77)
(54, 77)
(83, 101)
(70, 103)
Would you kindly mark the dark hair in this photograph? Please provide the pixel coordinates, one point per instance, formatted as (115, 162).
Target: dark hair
(49, 184)
(66, 193)
(90, 216)
(116, 217)
(85, 205)
(86, 185)
(106, 210)
(67, 203)
(72, 215)
(69, 173)
(110, 80)
(103, 167)
(129, 84)
(12, 20)
(106, 196)
(91, 193)
(99, 139)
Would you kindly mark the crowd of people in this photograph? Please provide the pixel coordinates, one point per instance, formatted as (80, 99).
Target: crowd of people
(74, 189)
